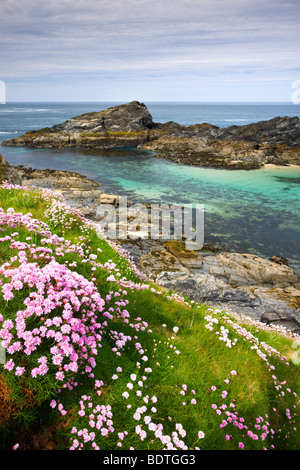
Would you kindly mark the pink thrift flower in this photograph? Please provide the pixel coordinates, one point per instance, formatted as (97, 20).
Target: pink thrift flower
(20, 371)
(9, 365)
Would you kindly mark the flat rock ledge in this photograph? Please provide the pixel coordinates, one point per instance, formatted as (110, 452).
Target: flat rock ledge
(243, 284)
(78, 191)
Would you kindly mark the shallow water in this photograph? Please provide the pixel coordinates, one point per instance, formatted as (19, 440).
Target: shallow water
(254, 211)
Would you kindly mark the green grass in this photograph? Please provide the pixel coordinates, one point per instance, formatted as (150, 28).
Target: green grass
(194, 357)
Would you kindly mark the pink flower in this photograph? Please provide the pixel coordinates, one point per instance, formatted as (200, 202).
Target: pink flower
(9, 365)
(147, 419)
(201, 434)
(59, 376)
(19, 371)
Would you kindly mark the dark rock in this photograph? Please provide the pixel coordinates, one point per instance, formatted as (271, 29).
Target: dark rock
(279, 260)
(129, 117)
(8, 173)
(251, 146)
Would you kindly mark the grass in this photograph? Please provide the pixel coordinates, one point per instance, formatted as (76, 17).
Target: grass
(186, 368)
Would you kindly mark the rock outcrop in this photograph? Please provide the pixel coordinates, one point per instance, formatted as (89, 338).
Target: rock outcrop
(123, 125)
(77, 190)
(275, 141)
(243, 283)
(131, 117)
(8, 172)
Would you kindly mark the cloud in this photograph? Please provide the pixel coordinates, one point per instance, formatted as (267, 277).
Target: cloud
(203, 37)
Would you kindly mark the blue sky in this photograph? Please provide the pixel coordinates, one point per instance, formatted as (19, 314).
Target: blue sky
(149, 50)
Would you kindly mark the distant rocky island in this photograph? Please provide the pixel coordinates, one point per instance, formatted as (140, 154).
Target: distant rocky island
(251, 146)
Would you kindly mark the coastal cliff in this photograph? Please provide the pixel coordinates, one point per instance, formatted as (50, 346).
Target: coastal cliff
(267, 290)
(276, 141)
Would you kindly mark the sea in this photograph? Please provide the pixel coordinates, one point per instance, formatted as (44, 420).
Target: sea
(246, 211)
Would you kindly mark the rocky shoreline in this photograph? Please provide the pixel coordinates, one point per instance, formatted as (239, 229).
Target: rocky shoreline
(246, 285)
(251, 146)
(265, 290)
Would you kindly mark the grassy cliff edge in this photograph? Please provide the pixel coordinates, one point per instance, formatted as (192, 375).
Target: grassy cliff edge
(94, 356)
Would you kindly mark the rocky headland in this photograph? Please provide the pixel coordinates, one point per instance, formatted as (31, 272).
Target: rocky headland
(276, 141)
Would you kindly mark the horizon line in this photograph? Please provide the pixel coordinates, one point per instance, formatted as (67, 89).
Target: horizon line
(156, 101)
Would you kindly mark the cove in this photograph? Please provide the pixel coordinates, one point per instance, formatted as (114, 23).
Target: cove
(253, 211)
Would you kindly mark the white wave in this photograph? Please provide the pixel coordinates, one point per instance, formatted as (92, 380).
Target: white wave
(235, 120)
(7, 133)
(27, 110)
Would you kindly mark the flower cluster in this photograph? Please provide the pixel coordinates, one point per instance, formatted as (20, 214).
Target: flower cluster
(54, 323)
(59, 319)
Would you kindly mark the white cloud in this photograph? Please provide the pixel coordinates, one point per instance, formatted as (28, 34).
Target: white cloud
(135, 38)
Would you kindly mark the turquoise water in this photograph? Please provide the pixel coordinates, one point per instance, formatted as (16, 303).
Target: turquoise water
(253, 211)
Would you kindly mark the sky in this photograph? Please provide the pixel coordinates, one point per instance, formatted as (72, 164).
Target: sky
(150, 50)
